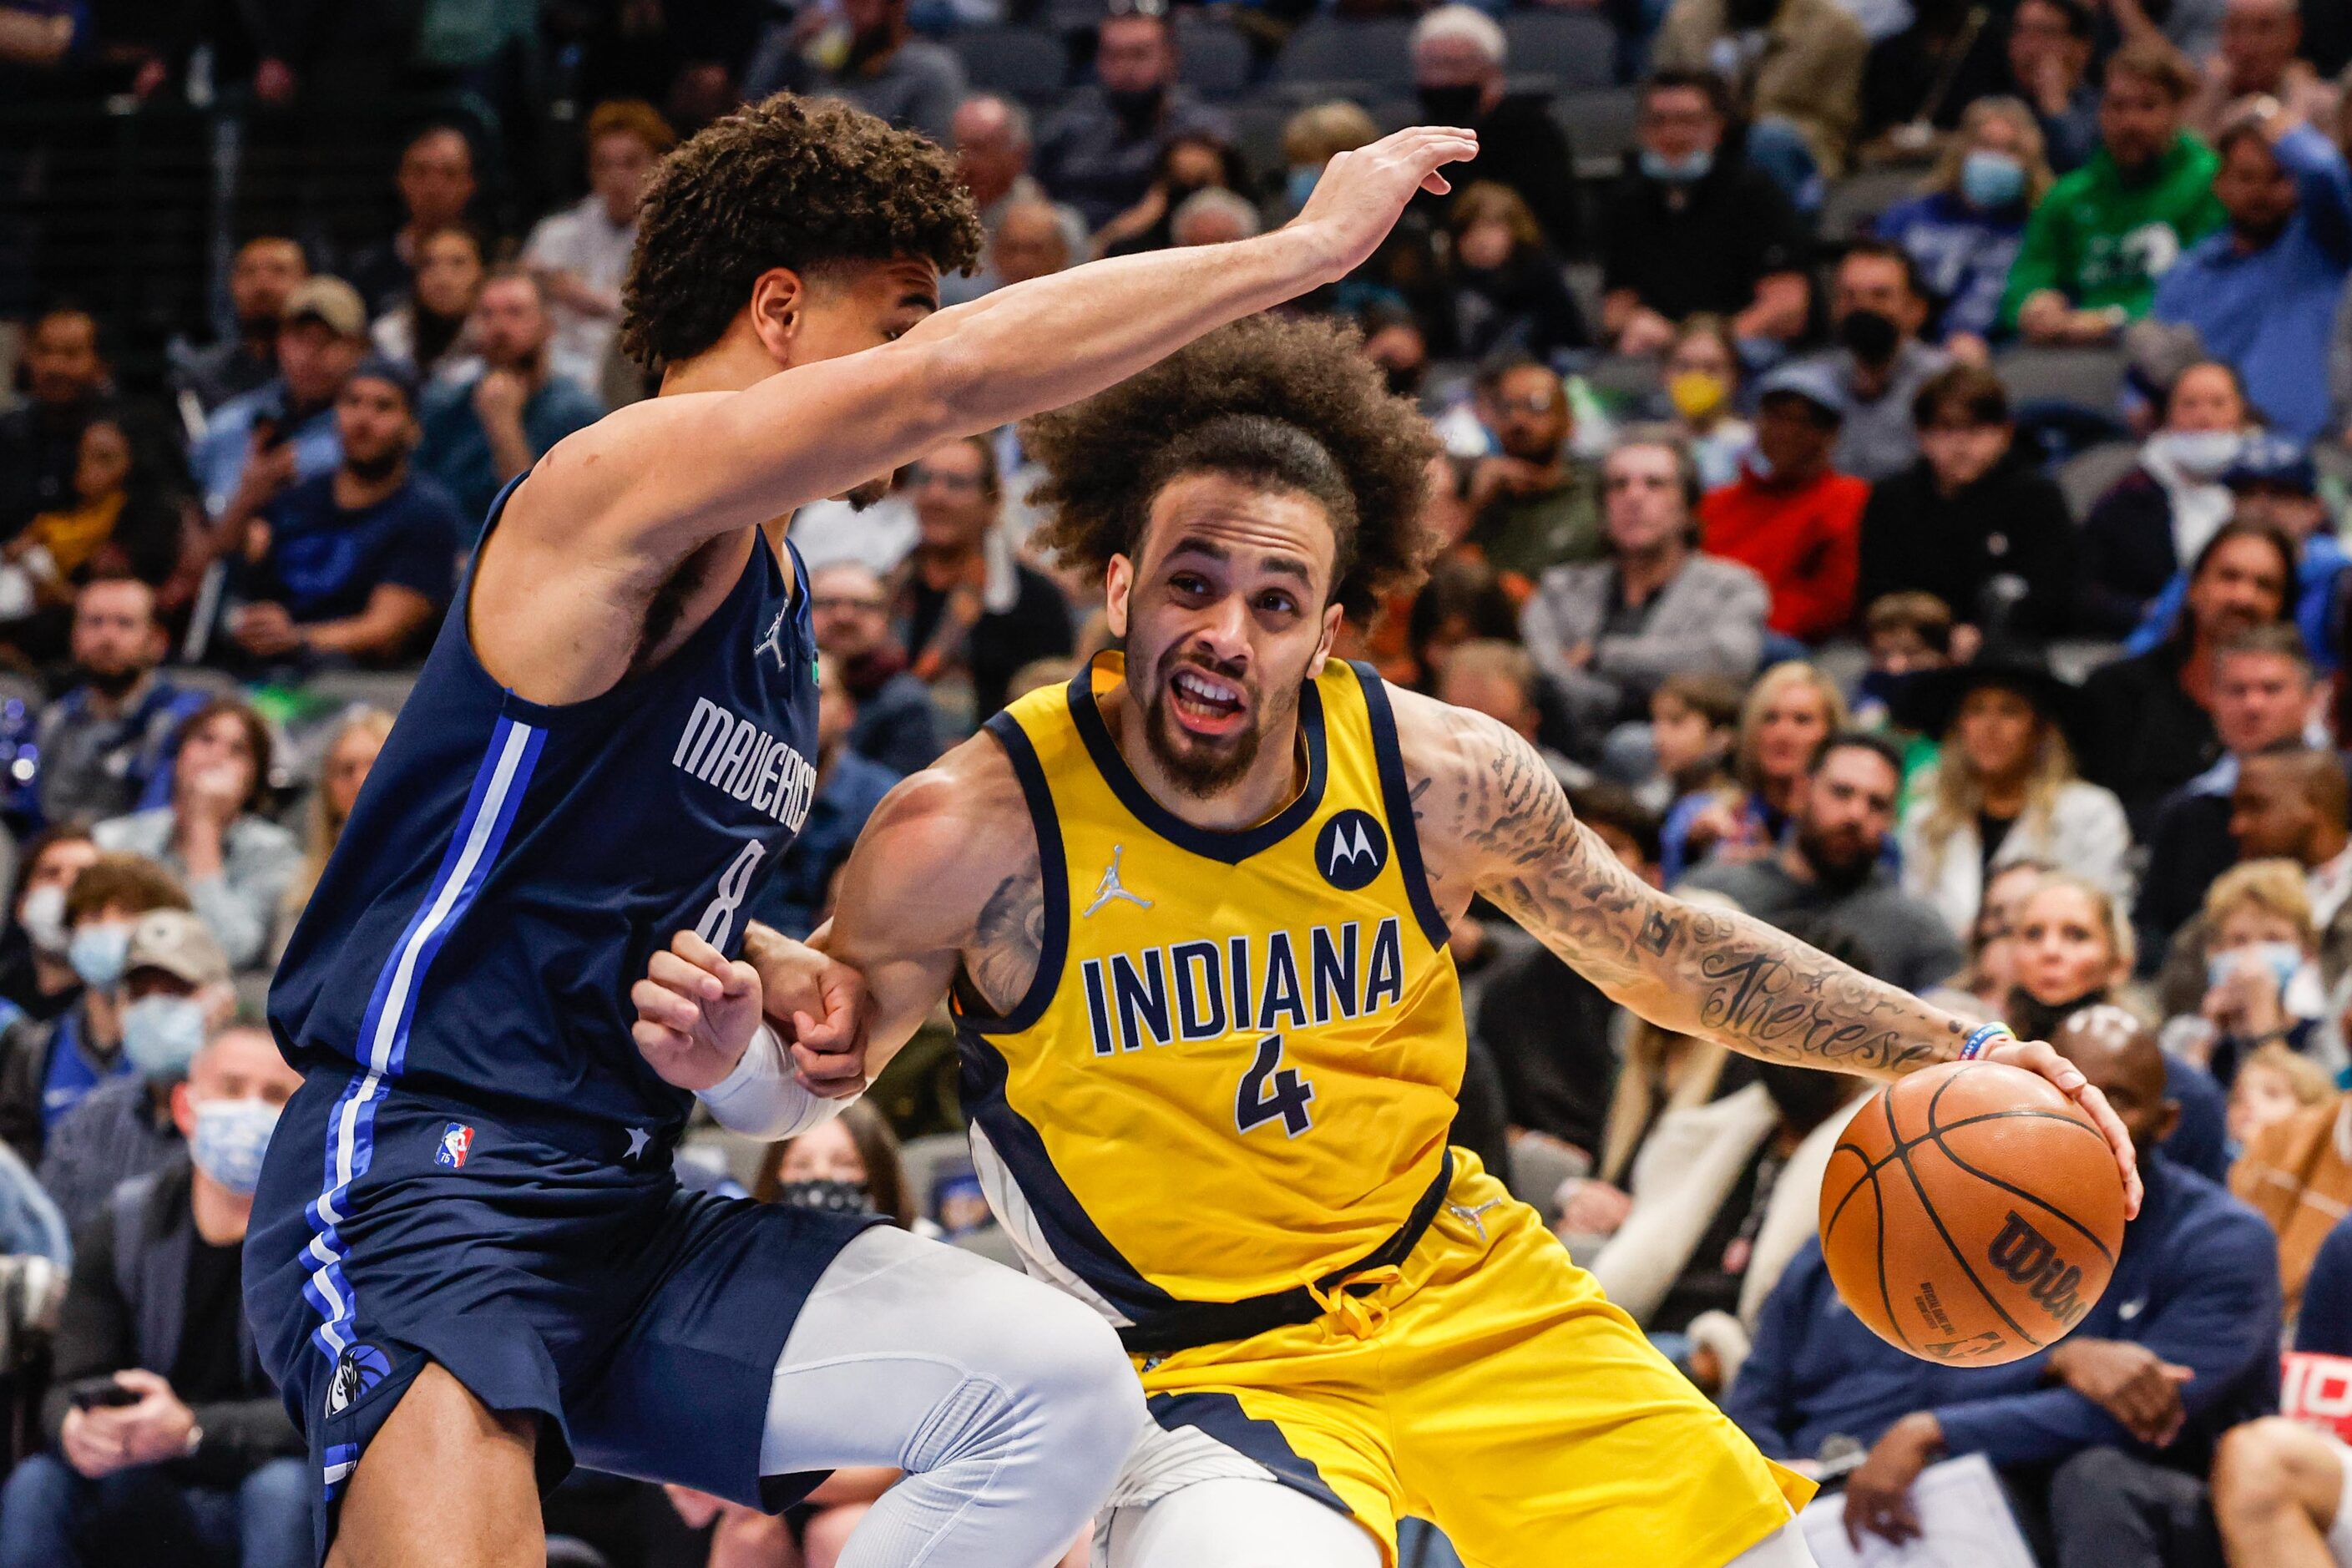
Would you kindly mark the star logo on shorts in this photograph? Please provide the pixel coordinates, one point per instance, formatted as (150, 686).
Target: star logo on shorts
(637, 1140)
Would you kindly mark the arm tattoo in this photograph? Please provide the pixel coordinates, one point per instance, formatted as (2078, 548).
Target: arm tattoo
(1719, 976)
(1007, 939)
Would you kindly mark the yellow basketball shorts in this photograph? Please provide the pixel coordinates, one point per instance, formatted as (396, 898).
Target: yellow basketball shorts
(1487, 1386)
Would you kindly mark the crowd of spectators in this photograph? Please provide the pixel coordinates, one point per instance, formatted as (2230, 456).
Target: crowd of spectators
(1892, 473)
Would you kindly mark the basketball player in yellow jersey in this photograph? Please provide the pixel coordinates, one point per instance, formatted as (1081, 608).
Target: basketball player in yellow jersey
(1192, 911)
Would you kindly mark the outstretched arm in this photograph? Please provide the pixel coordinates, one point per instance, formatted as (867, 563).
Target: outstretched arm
(1492, 820)
(671, 472)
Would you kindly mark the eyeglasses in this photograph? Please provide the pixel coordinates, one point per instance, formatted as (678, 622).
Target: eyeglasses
(1534, 402)
(823, 602)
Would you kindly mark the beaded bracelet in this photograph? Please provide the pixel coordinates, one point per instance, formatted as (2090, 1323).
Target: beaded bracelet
(1982, 1035)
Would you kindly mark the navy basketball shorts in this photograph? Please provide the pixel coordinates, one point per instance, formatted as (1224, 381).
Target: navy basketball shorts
(640, 1322)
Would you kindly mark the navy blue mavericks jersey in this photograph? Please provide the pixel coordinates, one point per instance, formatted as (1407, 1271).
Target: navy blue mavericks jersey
(510, 867)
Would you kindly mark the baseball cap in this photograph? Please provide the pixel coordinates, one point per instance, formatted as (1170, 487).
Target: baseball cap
(382, 367)
(330, 301)
(1816, 383)
(178, 944)
(2267, 459)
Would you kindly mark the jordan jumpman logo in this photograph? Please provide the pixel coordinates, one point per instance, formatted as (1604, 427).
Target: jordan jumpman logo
(1110, 888)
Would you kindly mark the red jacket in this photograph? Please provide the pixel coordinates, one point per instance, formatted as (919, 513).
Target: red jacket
(1805, 543)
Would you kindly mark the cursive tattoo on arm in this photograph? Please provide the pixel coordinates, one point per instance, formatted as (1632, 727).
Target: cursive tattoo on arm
(1486, 804)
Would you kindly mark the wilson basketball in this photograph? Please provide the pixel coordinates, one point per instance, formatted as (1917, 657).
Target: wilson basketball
(1971, 1214)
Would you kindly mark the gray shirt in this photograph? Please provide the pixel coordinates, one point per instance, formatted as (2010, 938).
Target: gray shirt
(1877, 440)
(1906, 942)
(918, 85)
(240, 904)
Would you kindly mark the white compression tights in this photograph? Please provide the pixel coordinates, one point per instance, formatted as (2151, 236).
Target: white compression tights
(1009, 1405)
(1264, 1524)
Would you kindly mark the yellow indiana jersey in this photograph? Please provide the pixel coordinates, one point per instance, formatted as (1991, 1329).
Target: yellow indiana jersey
(1234, 1071)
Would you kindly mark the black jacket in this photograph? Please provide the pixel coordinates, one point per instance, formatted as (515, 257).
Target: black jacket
(2128, 555)
(125, 1307)
(2188, 846)
(1520, 145)
(2144, 737)
(1703, 247)
(2013, 520)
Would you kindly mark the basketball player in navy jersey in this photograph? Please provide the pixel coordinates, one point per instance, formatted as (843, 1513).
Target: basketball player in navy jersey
(470, 1264)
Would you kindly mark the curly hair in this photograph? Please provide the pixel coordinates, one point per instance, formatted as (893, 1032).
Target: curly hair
(1288, 403)
(807, 184)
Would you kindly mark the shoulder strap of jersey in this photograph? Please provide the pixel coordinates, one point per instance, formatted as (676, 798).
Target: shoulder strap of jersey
(1396, 799)
(1053, 875)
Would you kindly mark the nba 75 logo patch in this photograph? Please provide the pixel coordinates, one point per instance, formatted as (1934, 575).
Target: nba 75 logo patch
(456, 1138)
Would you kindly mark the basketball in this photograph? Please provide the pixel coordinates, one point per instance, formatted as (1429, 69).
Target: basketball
(1971, 1214)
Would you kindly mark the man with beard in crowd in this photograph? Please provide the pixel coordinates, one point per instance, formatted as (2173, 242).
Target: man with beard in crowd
(1830, 870)
(481, 433)
(266, 268)
(104, 747)
(355, 563)
(895, 726)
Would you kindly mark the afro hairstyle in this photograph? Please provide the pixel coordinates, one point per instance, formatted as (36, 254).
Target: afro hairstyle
(1289, 403)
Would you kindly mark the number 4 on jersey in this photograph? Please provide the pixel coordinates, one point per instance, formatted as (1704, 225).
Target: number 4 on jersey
(1271, 1091)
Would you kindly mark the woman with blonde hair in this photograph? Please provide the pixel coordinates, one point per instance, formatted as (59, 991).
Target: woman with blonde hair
(1964, 229)
(2262, 966)
(2002, 789)
(1791, 710)
(349, 756)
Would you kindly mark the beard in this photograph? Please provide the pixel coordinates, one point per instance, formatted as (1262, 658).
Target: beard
(1841, 863)
(114, 683)
(376, 469)
(1201, 765)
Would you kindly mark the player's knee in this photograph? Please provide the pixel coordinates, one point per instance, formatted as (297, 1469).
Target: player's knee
(1078, 1376)
(2259, 1468)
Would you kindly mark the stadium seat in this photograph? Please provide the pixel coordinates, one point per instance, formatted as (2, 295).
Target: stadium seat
(1257, 134)
(23, 688)
(1599, 128)
(1623, 379)
(1027, 62)
(1325, 50)
(1576, 49)
(204, 678)
(1852, 205)
(2089, 377)
(2083, 478)
(1213, 59)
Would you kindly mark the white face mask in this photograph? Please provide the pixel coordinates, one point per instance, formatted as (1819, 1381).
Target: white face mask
(44, 920)
(2203, 453)
(230, 1139)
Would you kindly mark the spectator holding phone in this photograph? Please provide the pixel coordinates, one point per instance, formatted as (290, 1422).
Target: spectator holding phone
(284, 430)
(161, 1425)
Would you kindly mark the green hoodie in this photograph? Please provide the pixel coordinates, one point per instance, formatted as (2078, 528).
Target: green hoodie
(2100, 242)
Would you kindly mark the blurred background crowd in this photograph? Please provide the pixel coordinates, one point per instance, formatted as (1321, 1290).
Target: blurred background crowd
(1895, 453)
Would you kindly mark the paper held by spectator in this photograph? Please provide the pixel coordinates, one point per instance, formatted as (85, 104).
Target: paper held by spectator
(1963, 1516)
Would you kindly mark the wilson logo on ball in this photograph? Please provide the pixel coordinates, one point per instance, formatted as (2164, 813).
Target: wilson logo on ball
(2031, 1259)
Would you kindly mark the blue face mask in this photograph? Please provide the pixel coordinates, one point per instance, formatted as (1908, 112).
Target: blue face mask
(2203, 453)
(1301, 185)
(162, 1034)
(1992, 179)
(98, 953)
(1683, 170)
(231, 1137)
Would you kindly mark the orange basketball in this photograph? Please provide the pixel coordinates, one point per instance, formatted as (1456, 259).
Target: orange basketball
(1971, 1214)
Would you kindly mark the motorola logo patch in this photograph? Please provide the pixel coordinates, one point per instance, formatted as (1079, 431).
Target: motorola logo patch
(1351, 849)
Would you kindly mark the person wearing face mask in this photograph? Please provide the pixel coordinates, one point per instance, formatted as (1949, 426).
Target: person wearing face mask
(2166, 509)
(1694, 227)
(105, 747)
(1794, 69)
(1101, 151)
(1878, 305)
(1963, 230)
(1701, 391)
(2261, 972)
(1459, 56)
(158, 1424)
(2263, 291)
(49, 1068)
(1189, 164)
(1972, 509)
(34, 977)
(174, 992)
